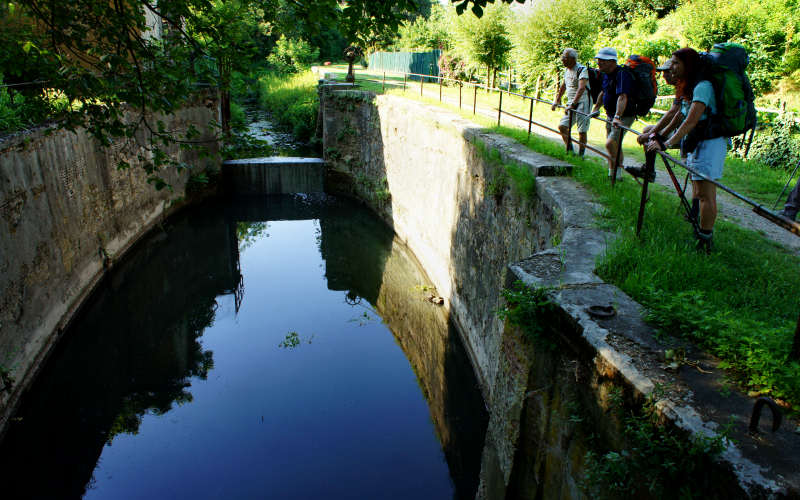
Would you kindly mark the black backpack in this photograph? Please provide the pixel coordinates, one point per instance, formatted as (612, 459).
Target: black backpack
(595, 82)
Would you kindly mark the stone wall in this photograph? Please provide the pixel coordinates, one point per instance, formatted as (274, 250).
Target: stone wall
(434, 177)
(66, 214)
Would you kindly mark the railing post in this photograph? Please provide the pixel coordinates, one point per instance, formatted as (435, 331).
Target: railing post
(569, 130)
(405, 75)
(474, 99)
(383, 84)
(500, 107)
(421, 83)
(460, 86)
(440, 88)
(530, 119)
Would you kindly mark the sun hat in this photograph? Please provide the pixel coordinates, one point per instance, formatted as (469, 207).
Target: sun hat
(607, 53)
(664, 67)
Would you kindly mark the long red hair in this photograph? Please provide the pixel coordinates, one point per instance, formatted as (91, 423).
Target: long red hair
(684, 87)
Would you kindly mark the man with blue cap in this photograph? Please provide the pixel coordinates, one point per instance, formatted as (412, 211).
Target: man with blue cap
(617, 87)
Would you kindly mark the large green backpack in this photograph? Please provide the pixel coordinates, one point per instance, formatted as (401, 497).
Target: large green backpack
(724, 67)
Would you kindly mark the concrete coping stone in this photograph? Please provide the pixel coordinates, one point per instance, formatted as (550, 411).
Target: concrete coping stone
(628, 345)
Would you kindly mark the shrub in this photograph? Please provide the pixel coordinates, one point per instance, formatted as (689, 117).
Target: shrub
(778, 146)
(452, 66)
(292, 55)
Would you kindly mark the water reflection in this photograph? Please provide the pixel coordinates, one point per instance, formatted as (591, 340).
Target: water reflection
(208, 384)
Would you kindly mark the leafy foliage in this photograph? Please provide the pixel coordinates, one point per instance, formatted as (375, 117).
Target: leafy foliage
(778, 146)
(655, 460)
(291, 56)
(553, 26)
(484, 42)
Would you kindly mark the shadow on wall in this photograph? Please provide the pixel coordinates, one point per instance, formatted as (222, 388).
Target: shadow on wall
(105, 375)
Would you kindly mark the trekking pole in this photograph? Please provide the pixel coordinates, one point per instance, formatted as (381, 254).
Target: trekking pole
(681, 195)
(642, 203)
(780, 196)
(569, 131)
(794, 354)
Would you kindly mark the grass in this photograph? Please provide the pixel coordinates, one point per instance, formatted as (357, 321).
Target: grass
(732, 303)
(292, 100)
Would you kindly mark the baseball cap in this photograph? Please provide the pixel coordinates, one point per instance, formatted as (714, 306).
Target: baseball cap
(607, 53)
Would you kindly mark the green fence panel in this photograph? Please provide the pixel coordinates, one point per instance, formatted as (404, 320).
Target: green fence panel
(425, 63)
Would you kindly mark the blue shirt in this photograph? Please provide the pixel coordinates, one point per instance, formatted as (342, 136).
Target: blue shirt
(703, 92)
(614, 84)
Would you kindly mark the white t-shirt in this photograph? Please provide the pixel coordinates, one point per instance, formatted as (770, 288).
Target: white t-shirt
(571, 79)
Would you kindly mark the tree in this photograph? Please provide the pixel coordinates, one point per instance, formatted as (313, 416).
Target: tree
(484, 41)
(553, 26)
(226, 30)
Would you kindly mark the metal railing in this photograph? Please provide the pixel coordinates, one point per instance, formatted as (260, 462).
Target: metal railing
(669, 160)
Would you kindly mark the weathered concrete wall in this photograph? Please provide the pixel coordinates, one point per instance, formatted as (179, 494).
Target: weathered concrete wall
(433, 178)
(66, 213)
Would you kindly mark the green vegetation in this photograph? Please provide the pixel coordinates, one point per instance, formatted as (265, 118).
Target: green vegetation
(504, 174)
(529, 309)
(657, 462)
(292, 100)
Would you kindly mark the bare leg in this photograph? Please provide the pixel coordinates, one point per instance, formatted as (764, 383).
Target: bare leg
(706, 192)
(582, 138)
(564, 135)
(611, 147)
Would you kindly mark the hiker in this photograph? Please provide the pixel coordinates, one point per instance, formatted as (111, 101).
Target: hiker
(792, 203)
(704, 155)
(653, 130)
(648, 170)
(617, 87)
(576, 80)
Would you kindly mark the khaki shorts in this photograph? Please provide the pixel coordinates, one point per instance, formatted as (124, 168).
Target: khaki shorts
(583, 121)
(616, 133)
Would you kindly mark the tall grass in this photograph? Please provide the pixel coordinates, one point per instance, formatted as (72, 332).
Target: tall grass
(292, 100)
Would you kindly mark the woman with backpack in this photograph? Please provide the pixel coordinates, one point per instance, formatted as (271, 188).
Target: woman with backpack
(705, 156)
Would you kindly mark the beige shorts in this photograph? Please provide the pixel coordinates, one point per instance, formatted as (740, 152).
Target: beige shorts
(616, 133)
(582, 121)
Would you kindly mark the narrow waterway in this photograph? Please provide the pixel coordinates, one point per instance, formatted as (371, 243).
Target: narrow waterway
(276, 347)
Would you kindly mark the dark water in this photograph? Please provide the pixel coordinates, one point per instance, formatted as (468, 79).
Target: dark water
(275, 348)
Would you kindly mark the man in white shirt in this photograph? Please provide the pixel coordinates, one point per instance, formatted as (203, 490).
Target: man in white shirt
(576, 85)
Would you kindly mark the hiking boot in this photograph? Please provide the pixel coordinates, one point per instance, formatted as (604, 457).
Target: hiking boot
(788, 213)
(704, 241)
(642, 172)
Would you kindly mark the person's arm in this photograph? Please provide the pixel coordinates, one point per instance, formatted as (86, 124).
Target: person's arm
(581, 89)
(557, 100)
(622, 103)
(695, 112)
(598, 102)
(661, 124)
